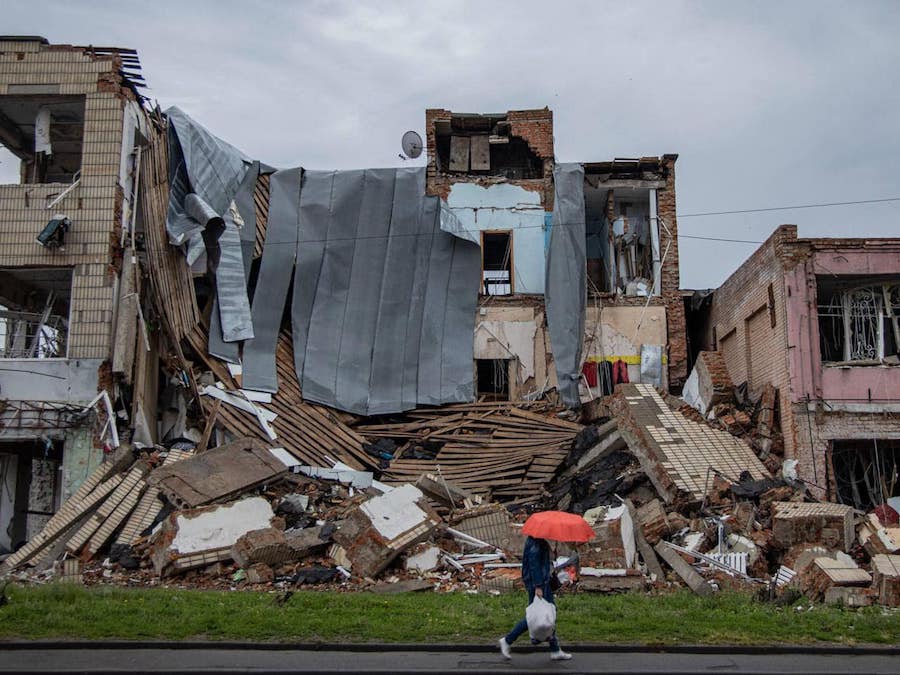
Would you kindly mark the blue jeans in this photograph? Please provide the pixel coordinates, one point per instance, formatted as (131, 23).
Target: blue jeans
(522, 626)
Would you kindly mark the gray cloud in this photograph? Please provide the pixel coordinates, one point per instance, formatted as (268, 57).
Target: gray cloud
(767, 103)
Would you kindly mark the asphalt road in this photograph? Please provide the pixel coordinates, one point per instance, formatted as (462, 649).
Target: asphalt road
(34, 659)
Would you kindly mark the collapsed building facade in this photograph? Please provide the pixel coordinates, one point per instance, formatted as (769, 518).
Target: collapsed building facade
(817, 319)
(71, 123)
(496, 174)
(296, 376)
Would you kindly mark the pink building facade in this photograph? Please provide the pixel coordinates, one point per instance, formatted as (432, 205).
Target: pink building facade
(818, 319)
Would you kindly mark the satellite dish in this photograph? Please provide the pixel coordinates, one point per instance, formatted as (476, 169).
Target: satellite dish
(412, 144)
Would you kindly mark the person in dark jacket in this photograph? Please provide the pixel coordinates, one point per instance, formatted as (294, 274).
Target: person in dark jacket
(537, 569)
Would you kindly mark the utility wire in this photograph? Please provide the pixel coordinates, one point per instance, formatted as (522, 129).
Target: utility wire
(789, 208)
(542, 226)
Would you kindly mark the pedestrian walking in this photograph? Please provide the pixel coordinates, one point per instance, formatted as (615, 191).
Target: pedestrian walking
(537, 572)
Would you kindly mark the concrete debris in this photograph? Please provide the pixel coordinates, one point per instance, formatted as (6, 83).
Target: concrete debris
(268, 545)
(204, 536)
(878, 538)
(824, 573)
(886, 579)
(217, 474)
(672, 498)
(848, 596)
(259, 573)
(708, 384)
(796, 523)
(377, 531)
(422, 557)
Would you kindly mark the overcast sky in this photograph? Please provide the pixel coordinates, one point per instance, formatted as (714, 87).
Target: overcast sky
(767, 103)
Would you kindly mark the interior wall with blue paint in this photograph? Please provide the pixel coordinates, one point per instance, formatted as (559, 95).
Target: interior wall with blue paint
(504, 206)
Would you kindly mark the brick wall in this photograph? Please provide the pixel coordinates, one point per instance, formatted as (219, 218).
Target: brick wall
(94, 206)
(814, 432)
(670, 279)
(754, 351)
(535, 127)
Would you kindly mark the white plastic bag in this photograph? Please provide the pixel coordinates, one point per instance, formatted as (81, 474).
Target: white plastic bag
(541, 618)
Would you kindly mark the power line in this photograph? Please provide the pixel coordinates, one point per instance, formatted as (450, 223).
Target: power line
(788, 208)
(542, 226)
(735, 241)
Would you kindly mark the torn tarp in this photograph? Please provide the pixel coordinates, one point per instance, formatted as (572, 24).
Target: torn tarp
(566, 286)
(205, 176)
(383, 299)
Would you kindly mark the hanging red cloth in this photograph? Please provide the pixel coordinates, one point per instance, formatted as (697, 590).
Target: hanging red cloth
(620, 372)
(589, 370)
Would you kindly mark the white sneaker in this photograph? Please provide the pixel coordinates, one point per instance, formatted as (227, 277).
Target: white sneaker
(504, 649)
(560, 655)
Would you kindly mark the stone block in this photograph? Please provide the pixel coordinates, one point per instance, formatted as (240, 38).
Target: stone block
(828, 524)
(260, 573)
(886, 579)
(378, 530)
(267, 546)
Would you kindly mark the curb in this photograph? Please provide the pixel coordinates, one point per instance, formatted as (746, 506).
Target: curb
(592, 648)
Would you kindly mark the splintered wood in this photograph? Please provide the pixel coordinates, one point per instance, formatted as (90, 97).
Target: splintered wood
(502, 451)
(170, 277)
(312, 434)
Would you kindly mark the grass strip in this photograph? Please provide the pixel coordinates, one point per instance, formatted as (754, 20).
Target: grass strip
(67, 611)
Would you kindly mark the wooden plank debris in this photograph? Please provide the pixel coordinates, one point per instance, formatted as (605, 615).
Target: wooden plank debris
(494, 450)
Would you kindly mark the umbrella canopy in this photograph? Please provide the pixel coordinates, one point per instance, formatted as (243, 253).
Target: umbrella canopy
(558, 526)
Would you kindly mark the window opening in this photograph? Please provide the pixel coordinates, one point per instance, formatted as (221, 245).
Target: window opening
(867, 471)
(496, 263)
(44, 134)
(484, 145)
(34, 313)
(493, 379)
(858, 320)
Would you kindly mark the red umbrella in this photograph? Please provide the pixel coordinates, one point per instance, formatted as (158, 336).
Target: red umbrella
(558, 526)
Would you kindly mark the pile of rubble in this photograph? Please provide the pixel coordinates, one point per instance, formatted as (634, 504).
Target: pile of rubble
(672, 499)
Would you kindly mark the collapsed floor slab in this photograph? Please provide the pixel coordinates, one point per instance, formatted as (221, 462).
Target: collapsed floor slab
(204, 536)
(679, 456)
(378, 530)
(217, 474)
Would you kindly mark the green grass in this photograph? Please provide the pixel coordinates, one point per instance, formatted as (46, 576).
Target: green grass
(70, 612)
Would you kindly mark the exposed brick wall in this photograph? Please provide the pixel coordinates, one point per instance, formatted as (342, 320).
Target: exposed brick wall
(815, 431)
(716, 370)
(535, 127)
(670, 279)
(753, 350)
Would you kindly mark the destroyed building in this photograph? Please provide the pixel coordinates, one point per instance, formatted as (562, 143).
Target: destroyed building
(817, 319)
(71, 127)
(299, 377)
(619, 272)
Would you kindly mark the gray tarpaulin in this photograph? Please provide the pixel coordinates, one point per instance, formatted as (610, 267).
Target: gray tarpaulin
(566, 286)
(383, 280)
(205, 175)
(384, 300)
(276, 269)
(243, 201)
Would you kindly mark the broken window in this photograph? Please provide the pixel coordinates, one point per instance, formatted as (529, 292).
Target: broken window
(34, 313)
(858, 320)
(619, 242)
(492, 379)
(29, 489)
(484, 145)
(42, 137)
(866, 472)
(496, 263)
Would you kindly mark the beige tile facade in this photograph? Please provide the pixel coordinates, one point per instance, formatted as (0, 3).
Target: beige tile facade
(92, 205)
